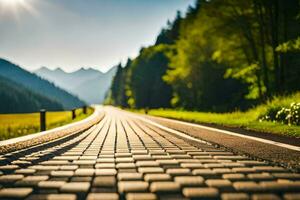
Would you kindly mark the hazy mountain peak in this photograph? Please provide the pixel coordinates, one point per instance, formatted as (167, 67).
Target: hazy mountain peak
(87, 70)
(47, 70)
(58, 69)
(89, 84)
(43, 68)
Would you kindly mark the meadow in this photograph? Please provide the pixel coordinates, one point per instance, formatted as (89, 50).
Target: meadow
(15, 125)
(254, 119)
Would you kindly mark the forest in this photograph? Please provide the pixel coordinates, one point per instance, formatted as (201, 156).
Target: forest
(16, 98)
(220, 56)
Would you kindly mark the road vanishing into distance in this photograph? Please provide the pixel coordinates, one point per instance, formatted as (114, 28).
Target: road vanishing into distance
(121, 155)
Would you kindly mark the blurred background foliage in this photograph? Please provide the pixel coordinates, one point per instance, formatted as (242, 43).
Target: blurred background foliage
(221, 56)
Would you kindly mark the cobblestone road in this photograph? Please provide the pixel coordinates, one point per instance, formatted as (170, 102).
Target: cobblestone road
(124, 158)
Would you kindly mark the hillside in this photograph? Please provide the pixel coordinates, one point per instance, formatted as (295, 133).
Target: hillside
(38, 85)
(17, 99)
(89, 84)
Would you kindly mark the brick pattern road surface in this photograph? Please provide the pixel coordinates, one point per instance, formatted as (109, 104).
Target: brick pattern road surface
(125, 158)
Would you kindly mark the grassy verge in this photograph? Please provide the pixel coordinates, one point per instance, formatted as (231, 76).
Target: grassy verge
(248, 120)
(15, 125)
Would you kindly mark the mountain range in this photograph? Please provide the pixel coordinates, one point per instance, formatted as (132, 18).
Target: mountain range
(18, 84)
(90, 85)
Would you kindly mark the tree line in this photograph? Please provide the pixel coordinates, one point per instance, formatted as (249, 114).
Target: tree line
(222, 55)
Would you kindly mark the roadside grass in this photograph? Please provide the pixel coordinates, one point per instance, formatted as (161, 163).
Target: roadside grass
(248, 120)
(15, 125)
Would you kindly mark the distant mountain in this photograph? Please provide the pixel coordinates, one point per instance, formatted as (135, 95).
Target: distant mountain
(38, 85)
(89, 85)
(15, 98)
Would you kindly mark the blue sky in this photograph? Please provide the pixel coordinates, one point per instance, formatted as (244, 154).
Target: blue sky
(80, 33)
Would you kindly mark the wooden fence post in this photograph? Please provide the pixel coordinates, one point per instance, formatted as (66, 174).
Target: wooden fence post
(73, 113)
(84, 108)
(42, 119)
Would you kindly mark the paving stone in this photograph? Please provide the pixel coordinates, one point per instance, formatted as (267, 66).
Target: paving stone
(157, 177)
(181, 156)
(132, 186)
(87, 157)
(189, 180)
(81, 179)
(25, 171)
(129, 176)
(62, 173)
(147, 157)
(75, 187)
(146, 170)
(31, 180)
(178, 171)
(84, 162)
(125, 165)
(105, 165)
(252, 162)
(218, 183)
(277, 186)
(222, 171)
(123, 154)
(168, 162)
(10, 178)
(105, 160)
(125, 160)
(84, 172)
(190, 160)
(102, 196)
(51, 184)
(213, 165)
(230, 157)
(137, 152)
(44, 168)
(292, 176)
(269, 169)
(292, 196)
(247, 186)
(192, 165)
(66, 158)
(235, 196)
(265, 197)
(104, 181)
(244, 170)
(9, 168)
(107, 172)
(205, 173)
(21, 163)
(139, 196)
(205, 193)
(15, 192)
(52, 197)
(260, 177)
(163, 187)
(234, 177)
(56, 162)
(147, 163)
(68, 167)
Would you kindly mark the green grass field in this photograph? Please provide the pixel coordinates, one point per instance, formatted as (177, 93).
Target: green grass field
(248, 120)
(15, 125)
